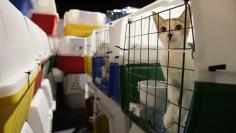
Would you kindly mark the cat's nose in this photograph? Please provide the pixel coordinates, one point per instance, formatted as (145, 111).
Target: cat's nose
(170, 35)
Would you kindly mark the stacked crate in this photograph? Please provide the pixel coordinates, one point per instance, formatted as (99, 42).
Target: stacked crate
(82, 23)
(45, 16)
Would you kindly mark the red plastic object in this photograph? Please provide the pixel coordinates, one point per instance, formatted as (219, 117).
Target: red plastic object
(47, 22)
(71, 64)
(39, 77)
(38, 80)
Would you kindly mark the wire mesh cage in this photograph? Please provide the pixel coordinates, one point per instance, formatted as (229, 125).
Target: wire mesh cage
(102, 41)
(157, 76)
(100, 60)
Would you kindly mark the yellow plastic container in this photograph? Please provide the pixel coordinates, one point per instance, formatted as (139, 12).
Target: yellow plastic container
(14, 108)
(88, 65)
(101, 124)
(79, 29)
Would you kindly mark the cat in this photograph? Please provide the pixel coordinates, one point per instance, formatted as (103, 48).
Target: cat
(175, 39)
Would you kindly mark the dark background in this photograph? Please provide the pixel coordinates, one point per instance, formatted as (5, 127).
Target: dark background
(98, 5)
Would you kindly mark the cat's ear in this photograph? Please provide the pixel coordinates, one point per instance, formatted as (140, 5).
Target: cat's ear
(155, 17)
(182, 16)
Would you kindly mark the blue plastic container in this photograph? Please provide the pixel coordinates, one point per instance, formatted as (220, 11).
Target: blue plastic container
(104, 87)
(114, 82)
(23, 5)
(97, 64)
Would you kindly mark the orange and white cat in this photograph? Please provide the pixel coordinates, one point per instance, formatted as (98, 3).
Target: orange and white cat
(171, 35)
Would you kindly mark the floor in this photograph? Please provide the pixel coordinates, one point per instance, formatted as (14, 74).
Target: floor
(67, 120)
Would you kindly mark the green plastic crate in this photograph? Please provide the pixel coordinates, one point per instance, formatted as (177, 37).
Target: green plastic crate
(130, 75)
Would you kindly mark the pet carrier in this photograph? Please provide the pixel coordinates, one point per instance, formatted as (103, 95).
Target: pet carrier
(18, 69)
(46, 87)
(40, 114)
(100, 61)
(97, 64)
(103, 104)
(157, 74)
(114, 81)
(26, 128)
(117, 37)
(41, 49)
(214, 91)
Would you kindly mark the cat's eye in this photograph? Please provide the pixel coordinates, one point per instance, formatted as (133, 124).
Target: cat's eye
(178, 27)
(163, 29)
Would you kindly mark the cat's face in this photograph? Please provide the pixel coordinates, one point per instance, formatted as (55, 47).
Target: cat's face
(171, 31)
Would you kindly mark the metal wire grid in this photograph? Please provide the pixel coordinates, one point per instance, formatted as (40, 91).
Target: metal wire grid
(102, 41)
(141, 37)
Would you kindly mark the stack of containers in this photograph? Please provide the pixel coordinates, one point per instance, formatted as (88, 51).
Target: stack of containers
(70, 55)
(75, 52)
(70, 60)
(45, 16)
(82, 23)
(74, 90)
(18, 69)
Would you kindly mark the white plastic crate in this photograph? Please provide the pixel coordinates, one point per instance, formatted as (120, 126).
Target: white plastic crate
(76, 16)
(45, 42)
(17, 55)
(38, 45)
(45, 6)
(54, 44)
(73, 92)
(57, 75)
(40, 41)
(72, 46)
(46, 86)
(26, 128)
(40, 114)
(74, 83)
(117, 37)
